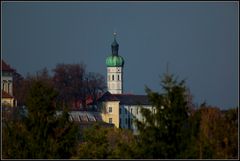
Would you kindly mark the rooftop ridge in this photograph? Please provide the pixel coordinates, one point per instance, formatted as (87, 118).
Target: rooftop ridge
(6, 67)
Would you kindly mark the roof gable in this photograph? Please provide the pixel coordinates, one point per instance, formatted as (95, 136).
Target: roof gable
(107, 97)
(6, 67)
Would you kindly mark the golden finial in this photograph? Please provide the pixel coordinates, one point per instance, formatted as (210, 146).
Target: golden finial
(114, 34)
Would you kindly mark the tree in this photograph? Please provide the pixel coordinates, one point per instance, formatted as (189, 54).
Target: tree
(75, 85)
(163, 134)
(231, 132)
(22, 85)
(42, 133)
(106, 143)
(18, 88)
(95, 85)
(214, 134)
(68, 80)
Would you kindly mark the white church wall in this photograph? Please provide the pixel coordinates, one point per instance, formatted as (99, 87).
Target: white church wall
(128, 113)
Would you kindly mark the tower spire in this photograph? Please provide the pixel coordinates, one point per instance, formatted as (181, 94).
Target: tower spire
(114, 35)
(115, 65)
(115, 45)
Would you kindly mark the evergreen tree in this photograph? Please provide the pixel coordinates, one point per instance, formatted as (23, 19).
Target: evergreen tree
(163, 134)
(41, 134)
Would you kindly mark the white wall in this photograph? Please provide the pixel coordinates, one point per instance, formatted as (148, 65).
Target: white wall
(7, 83)
(115, 86)
(129, 112)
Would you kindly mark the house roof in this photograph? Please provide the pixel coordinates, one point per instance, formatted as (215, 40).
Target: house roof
(6, 67)
(125, 99)
(84, 116)
(107, 97)
(6, 95)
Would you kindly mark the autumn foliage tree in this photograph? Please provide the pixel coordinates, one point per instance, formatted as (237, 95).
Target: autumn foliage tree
(100, 142)
(68, 81)
(74, 84)
(95, 85)
(213, 134)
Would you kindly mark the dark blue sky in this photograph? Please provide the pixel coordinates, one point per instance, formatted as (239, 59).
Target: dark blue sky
(198, 39)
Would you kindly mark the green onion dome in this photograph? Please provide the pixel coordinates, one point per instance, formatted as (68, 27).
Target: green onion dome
(114, 61)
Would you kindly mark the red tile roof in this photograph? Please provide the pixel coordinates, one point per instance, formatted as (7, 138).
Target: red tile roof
(6, 95)
(6, 67)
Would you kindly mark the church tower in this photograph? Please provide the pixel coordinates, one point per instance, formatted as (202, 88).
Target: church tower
(115, 64)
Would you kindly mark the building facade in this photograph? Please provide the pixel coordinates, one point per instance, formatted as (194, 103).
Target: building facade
(122, 109)
(7, 98)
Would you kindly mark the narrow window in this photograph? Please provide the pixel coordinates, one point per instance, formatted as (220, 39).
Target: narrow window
(110, 109)
(8, 88)
(118, 77)
(112, 77)
(3, 86)
(110, 120)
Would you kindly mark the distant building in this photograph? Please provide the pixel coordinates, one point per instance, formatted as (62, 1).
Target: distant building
(7, 98)
(121, 109)
(116, 107)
